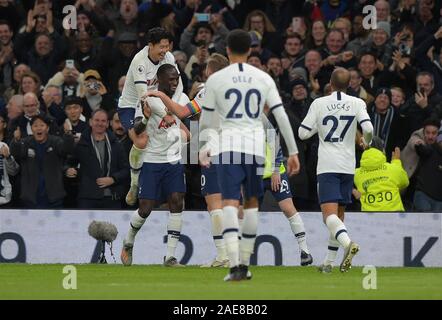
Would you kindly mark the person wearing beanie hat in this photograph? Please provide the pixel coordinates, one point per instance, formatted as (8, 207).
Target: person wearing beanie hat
(384, 26)
(388, 124)
(379, 44)
(384, 91)
(298, 81)
(379, 182)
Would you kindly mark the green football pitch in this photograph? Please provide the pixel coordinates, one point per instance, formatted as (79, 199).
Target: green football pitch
(24, 281)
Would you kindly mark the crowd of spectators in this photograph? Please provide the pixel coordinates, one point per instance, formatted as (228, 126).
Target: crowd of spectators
(61, 142)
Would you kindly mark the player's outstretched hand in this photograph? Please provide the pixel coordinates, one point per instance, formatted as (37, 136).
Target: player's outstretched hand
(153, 93)
(204, 158)
(293, 165)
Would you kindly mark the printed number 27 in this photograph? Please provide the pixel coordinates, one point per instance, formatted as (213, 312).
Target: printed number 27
(335, 122)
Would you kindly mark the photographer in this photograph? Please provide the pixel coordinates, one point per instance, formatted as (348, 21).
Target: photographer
(69, 79)
(96, 95)
(214, 34)
(196, 65)
(401, 73)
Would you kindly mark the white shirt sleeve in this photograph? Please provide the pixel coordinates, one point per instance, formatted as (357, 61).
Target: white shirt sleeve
(308, 126)
(139, 75)
(207, 114)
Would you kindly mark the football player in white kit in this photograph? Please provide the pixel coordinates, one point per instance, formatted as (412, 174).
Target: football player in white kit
(335, 118)
(162, 174)
(209, 181)
(233, 104)
(141, 77)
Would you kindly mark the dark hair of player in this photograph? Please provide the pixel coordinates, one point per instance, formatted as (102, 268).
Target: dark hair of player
(164, 69)
(155, 35)
(239, 41)
(340, 79)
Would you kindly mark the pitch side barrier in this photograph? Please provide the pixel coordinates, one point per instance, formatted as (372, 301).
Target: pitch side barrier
(61, 236)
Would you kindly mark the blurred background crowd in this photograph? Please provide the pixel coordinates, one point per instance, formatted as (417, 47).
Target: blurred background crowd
(52, 80)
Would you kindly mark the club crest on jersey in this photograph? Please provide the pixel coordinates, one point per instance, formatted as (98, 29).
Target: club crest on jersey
(140, 69)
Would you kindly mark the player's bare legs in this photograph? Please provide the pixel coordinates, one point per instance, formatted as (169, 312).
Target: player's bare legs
(174, 225)
(338, 230)
(136, 222)
(298, 229)
(214, 206)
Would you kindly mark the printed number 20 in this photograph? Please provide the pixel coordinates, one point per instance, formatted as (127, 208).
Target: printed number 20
(232, 113)
(335, 121)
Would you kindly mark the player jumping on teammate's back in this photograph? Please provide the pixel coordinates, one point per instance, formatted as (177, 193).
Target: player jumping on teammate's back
(333, 118)
(233, 105)
(141, 77)
(162, 174)
(209, 180)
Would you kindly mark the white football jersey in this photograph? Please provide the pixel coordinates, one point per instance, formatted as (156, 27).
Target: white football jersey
(238, 94)
(335, 118)
(141, 71)
(164, 143)
(213, 136)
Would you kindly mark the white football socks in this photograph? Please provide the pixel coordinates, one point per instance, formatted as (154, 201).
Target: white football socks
(136, 222)
(332, 250)
(217, 233)
(248, 236)
(338, 230)
(173, 232)
(135, 162)
(230, 234)
(240, 223)
(298, 230)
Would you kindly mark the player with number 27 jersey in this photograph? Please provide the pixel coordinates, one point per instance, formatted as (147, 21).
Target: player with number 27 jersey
(335, 119)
